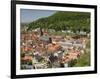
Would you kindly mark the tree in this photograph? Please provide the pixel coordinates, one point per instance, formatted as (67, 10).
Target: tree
(72, 63)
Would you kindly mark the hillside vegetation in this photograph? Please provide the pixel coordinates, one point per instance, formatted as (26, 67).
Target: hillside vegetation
(74, 21)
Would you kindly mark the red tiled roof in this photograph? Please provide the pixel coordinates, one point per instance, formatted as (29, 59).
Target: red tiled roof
(27, 58)
(53, 47)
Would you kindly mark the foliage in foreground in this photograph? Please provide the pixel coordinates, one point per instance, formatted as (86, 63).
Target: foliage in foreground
(83, 60)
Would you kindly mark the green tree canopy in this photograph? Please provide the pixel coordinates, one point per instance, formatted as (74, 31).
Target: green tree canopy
(75, 21)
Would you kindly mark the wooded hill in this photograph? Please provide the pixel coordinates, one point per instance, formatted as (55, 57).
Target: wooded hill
(74, 21)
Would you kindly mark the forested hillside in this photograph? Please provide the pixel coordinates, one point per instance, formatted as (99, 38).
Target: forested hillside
(75, 21)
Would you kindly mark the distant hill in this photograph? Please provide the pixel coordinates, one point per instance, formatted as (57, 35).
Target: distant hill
(24, 24)
(61, 20)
